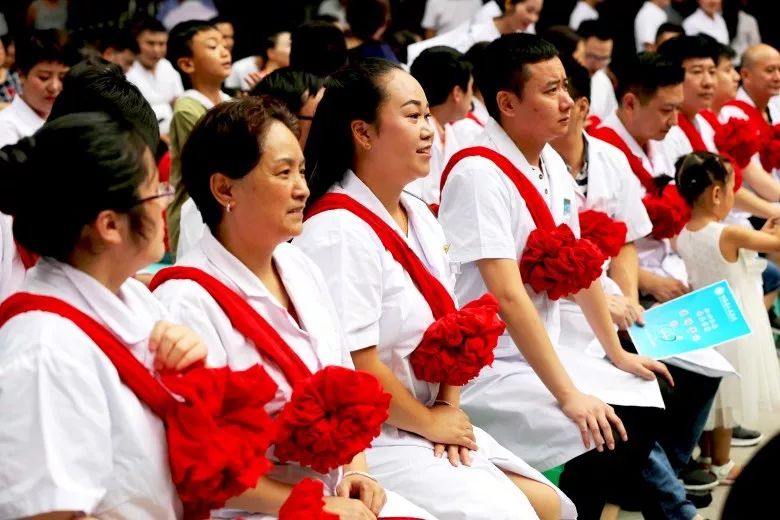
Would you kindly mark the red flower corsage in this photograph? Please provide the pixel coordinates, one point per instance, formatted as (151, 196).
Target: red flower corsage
(609, 235)
(306, 502)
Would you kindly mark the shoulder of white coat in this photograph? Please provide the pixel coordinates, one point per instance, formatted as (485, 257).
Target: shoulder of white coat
(727, 112)
(293, 257)
(338, 226)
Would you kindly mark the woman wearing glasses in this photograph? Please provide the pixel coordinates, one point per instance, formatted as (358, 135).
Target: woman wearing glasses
(75, 439)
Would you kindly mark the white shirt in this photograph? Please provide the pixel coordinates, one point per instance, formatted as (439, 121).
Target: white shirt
(188, 10)
(648, 20)
(467, 130)
(656, 256)
(446, 15)
(239, 72)
(12, 270)
(602, 95)
(747, 34)
(317, 339)
(701, 22)
(484, 216)
(18, 120)
(160, 87)
(461, 38)
(428, 187)
(377, 302)
(582, 11)
(74, 437)
(335, 9)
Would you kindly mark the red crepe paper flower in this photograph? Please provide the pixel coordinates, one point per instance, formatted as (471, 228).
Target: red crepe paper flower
(770, 153)
(331, 417)
(739, 139)
(457, 346)
(218, 437)
(558, 263)
(434, 209)
(609, 235)
(306, 502)
(669, 213)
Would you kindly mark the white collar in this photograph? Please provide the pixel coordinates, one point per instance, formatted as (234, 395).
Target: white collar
(742, 95)
(202, 99)
(122, 313)
(25, 113)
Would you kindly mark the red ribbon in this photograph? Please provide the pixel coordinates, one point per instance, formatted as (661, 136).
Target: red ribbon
(697, 143)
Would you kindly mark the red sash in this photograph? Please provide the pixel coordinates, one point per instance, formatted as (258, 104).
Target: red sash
(311, 425)
(29, 259)
(693, 135)
(244, 319)
(769, 135)
(217, 437)
(554, 260)
(474, 118)
(753, 113)
(437, 359)
(610, 136)
(697, 143)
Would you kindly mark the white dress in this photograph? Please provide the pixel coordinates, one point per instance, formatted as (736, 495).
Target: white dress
(73, 436)
(379, 305)
(317, 340)
(484, 217)
(757, 391)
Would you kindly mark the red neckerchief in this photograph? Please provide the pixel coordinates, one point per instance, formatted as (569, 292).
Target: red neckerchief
(473, 117)
(693, 135)
(28, 258)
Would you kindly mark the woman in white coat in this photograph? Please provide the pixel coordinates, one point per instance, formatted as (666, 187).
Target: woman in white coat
(369, 139)
(251, 196)
(76, 440)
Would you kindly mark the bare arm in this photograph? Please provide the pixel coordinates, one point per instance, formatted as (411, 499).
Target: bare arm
(761, 182)
(755, 205)
(735, 238)
(592, 416)
(624, 270)
(594, 307)
(662, 288)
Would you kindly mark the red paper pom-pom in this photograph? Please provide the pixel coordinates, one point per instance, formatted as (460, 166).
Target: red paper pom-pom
(609, 235)
(669, 213)
(558, 263)
(217, 438)
(770, 153)
(331, 417)
(457, 346)
(739, 139)
(306, 502)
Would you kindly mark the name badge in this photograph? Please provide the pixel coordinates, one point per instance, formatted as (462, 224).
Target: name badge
(567, 207)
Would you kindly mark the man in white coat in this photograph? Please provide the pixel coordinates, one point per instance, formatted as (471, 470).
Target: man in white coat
(708, 20)
(598, 53)
(649, 18)
(535, 394)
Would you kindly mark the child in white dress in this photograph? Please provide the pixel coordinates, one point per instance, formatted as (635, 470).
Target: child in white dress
(715, 251)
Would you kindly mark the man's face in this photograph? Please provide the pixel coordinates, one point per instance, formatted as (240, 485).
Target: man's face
(762, 78)
(598, 54)
(658, 115)
(228, 33)
(699, 85)
(152, 47)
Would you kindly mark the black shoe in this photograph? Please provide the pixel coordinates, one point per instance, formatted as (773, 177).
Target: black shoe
(700, 500)
(741, 437)
(774, 320)
(695, 479)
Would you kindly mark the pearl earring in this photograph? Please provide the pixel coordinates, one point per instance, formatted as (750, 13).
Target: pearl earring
(229, 206)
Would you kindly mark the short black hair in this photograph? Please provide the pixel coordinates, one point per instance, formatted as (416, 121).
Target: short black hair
(39, 47)
(681, 48)
(564, 38)
(319, 48)
(439, 69)
(220, 19)
(269, 42)
(118, 39)
(697, 171)
(290, 86)
(228, 140)
(365, 17)
(725, 52)
(91, 86)
(645, 74)
(669, 27)
(578, 78)
(58, 180)
(180, 40)
(474, 56)
(399, 41)
(595, 29)
(504, 65)
(146, 23)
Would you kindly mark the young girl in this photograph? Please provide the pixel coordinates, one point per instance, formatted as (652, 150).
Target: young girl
(256, 182)
(369, 139)
(714, 251)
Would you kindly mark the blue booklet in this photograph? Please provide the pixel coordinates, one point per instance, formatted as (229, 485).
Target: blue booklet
(700, 319)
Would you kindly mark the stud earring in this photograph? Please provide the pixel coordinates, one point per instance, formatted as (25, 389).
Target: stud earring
(229, 207)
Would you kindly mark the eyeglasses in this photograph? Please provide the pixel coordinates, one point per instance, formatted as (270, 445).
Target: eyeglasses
(164, 190)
